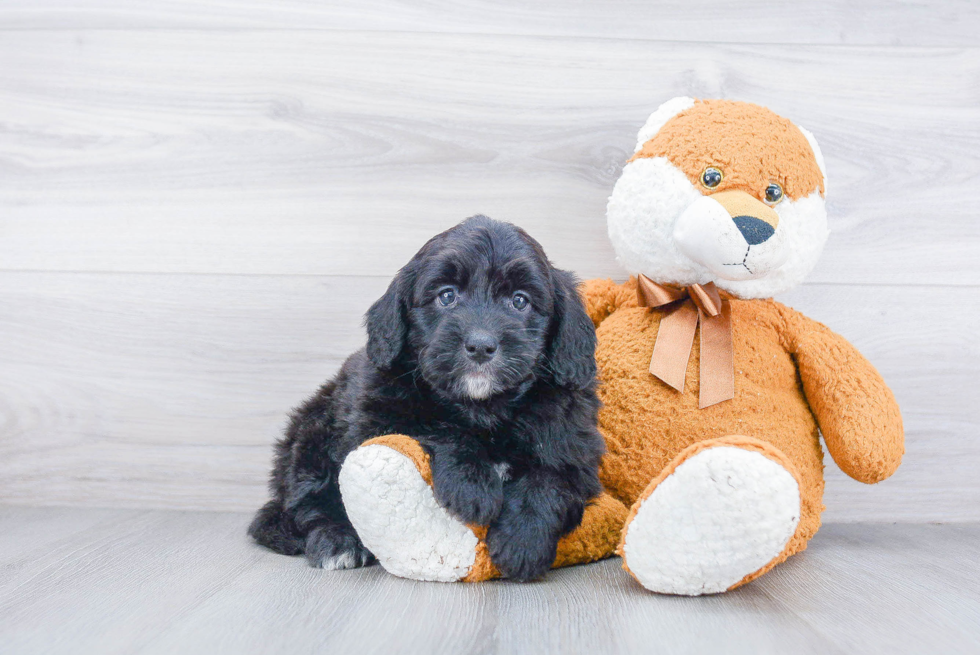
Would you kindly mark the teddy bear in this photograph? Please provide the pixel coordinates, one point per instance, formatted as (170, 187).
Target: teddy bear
(714, 395)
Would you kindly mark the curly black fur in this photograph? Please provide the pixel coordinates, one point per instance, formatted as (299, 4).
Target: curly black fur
(485, 382)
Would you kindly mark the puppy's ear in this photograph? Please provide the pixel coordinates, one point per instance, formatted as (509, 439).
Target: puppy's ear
(571, 354)
(386, 325)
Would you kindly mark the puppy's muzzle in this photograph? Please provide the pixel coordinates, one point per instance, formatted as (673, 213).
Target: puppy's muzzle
(480, 346)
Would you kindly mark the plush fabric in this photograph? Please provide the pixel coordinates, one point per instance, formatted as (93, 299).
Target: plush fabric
(652, 204)
(722, 506)
(752, 144)
(789, 371)
(594, 539)
(399, 503)
(794, 378)
(393, 508)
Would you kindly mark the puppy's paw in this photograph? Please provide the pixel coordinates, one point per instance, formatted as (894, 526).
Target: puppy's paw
(520, 553)
(330, 548)
(473, 494)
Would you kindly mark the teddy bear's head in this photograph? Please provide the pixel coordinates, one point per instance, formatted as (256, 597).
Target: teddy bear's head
(721, 191)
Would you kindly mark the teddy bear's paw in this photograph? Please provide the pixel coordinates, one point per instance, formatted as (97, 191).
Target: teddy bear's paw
(395, 513)
(725, 513)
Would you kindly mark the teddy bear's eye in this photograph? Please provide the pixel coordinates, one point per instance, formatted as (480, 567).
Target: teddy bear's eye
(711, 177)
(774, 193)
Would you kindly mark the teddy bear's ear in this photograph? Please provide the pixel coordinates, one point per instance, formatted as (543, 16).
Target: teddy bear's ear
(817, 155)
(660, 117)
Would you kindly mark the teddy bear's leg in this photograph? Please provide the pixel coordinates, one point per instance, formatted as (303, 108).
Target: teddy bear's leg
(386, 487)
(387, 490)
(721, 514)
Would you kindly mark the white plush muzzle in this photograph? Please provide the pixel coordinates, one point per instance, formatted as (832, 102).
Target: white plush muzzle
(706, 233)
(662, 226)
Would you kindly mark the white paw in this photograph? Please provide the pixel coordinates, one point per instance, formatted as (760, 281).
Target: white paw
(345, 560)
(721, 515)
(398, 519)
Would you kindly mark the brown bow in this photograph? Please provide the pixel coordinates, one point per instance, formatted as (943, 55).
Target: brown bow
(675, 339)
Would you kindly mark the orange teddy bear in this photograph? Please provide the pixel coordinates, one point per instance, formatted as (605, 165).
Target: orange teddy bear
(714, 394)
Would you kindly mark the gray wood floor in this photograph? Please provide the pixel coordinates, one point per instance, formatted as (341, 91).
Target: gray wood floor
(134, 581)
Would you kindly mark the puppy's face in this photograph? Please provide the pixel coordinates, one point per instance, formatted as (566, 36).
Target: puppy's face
(480, 311)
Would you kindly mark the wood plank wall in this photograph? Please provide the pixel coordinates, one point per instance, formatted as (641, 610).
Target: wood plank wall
(198, 200)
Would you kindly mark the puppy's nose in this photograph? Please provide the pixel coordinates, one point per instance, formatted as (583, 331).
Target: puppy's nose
(755, 230)
(480, 345)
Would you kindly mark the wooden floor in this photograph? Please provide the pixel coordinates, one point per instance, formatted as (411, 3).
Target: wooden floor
(132, 581)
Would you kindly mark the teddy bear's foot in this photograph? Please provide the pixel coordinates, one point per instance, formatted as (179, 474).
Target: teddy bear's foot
(721, 514)
(387, 489)
(386, 486)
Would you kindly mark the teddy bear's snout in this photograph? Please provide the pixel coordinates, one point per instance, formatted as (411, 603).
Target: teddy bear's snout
(755, 220)
(732, 234)
(754, 230)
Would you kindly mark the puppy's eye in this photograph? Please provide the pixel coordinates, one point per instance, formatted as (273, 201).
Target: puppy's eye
(711, 177)
(447, 297)
(520, 301)
(774, 193)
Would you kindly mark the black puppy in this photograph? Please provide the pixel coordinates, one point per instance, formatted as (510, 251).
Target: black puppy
(483, 352)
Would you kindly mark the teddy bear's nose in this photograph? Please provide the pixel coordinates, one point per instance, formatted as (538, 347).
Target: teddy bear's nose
(755, 220)
(754, 230)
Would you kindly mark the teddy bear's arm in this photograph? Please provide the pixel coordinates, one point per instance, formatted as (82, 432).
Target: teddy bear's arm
(856, 411)
(603, 297)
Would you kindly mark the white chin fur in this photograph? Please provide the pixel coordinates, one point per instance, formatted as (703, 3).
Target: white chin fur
(477, 386)
(651, 196)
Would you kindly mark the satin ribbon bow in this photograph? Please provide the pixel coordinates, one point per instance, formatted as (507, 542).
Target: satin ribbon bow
(687, 306)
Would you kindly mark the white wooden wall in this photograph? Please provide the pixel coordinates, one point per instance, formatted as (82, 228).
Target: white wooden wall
(199, 199)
